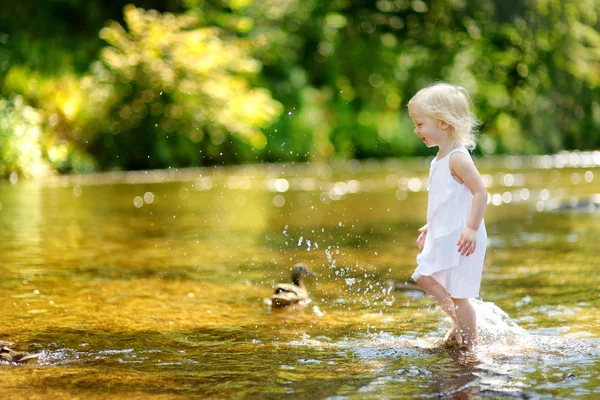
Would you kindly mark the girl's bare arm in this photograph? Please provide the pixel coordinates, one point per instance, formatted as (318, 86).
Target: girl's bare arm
(464, 171)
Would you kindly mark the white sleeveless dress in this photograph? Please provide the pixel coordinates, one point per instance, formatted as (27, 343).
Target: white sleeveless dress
(448, 210)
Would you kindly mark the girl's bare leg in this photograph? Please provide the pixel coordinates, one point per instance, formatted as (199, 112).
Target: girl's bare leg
(443, 299)
(467, 320)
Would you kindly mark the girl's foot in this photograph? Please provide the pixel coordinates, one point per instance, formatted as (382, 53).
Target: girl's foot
(453, 337)
(467, 349)
(468, 346)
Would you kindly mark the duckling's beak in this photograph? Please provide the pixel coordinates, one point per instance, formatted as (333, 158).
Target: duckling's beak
(312, 273)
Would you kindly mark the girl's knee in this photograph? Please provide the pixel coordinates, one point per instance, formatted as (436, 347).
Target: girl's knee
(426, 283)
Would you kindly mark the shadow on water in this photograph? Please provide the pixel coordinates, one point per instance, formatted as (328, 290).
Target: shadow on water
(152, 285)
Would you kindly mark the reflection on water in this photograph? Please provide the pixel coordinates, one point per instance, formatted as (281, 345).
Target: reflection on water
(151, 284)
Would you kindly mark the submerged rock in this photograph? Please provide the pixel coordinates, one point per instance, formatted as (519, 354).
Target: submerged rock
(590, 204)
(402, 286)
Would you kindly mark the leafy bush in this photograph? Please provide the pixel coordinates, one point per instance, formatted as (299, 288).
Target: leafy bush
(20, 139)
(167, 90)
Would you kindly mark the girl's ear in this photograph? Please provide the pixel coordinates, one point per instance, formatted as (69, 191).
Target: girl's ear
(444, 125)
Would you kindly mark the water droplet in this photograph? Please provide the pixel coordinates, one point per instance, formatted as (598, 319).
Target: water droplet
(148, 197)
(414, 184)
(540, 206)
(278, 201)
(138, 201)
(77, 190)
(589, 176)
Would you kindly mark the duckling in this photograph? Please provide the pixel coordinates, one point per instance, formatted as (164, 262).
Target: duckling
(12, 356)
(286, 294)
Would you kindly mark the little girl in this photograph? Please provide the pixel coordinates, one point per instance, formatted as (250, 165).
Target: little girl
(453, 241)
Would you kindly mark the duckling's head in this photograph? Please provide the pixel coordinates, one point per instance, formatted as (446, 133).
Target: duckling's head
(300, 271)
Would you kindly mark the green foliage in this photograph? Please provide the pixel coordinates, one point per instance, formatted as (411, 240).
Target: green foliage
(64, 113)
(171, 88)
(227, 81)
(20, 136)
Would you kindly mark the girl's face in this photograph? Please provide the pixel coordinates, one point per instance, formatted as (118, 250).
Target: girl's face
(433, 132)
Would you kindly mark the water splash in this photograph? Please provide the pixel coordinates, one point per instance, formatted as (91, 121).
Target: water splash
(500, 339)
(496, 328)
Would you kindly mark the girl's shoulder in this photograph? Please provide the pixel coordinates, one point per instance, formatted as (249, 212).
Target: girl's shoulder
(458, 156)
(461, 166)
(462, 150)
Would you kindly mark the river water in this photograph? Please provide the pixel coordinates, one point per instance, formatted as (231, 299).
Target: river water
(152, 284)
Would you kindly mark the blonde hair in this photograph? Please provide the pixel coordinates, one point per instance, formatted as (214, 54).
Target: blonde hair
(451, 104)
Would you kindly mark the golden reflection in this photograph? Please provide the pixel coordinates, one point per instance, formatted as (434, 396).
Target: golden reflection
(175, 287)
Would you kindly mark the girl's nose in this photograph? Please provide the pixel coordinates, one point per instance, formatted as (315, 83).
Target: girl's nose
(416, 131)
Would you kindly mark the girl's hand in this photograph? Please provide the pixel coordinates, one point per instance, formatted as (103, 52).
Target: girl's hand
(423, 234)
(467, 243)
